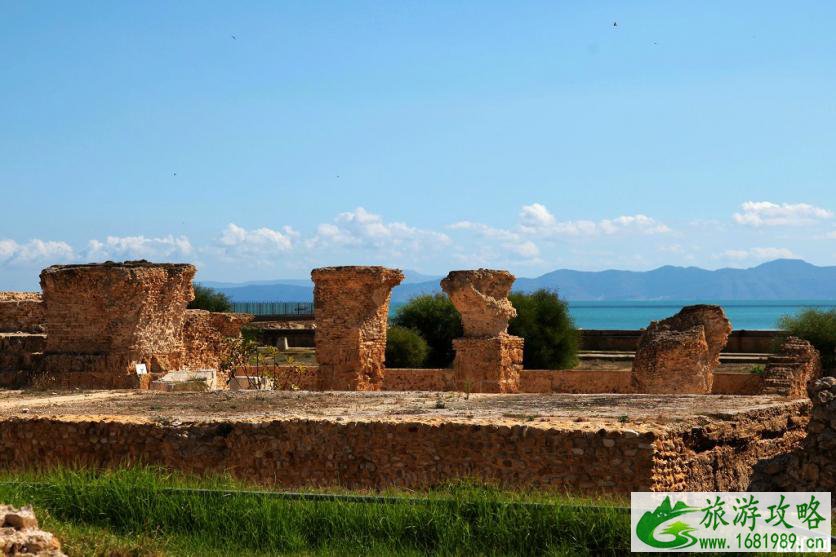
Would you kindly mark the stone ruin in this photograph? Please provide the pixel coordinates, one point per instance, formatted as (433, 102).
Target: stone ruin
(103, 320)
(21, 333)
(20, 535)
(488, 359)
(678, 355)
(351, 306)
(789, 371)
(812, 467)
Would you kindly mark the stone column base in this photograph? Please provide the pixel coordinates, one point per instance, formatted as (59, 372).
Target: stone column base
(488, 365)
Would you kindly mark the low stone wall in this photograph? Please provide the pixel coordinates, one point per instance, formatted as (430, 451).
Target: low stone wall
(812, 467)
(417, 454)
(21, 312)
(740, 341)
(572, 381)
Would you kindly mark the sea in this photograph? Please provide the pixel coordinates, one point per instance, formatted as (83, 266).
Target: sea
(751, 315)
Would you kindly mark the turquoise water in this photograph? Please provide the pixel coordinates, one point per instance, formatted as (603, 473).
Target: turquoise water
(752, 315)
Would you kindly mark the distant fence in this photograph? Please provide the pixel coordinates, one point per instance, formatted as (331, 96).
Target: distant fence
(274, 308)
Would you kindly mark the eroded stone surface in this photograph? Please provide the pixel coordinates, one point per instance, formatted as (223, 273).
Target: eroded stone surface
(812, 467)
(789, 371)
(488, 359)
(352, 307)
(106, 318)
(481, 297)
(206, 337)
(679, 354)
(21, 537)
(21, 312)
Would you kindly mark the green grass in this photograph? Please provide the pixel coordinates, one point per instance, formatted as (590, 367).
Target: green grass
(148, 512)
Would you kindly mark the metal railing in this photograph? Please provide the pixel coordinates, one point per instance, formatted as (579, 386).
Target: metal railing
(274, 308)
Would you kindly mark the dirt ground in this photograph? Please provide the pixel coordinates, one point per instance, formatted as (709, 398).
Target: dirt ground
(639, 412)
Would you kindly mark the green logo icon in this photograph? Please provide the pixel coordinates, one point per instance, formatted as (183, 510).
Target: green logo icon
(681, 532)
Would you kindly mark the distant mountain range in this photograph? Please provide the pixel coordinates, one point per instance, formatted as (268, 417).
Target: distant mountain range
(782, 279)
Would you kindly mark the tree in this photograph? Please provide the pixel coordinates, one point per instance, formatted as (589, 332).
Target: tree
(543, 320)
(818, 327)
(209, 299)
(405, 348)
(436, 319)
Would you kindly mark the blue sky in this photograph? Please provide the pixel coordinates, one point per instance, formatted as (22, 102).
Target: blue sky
(261, 139)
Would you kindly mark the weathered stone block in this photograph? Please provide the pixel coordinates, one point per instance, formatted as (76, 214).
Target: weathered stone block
(206, 337)
(679, 354)
(488, 365)
(352, 307)
(789, 371)
(488, 359)
(106, 318)
(21, 312)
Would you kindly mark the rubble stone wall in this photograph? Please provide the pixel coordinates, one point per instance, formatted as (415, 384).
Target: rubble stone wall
(413, 454)
(351, 313)
(21, 536)
(790, 370)
(206, 337)
(811, 467)
(105, 318)
(21, 312)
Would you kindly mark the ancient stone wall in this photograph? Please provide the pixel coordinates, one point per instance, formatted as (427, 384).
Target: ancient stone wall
(21, 312)
(789, 371)
(812, 466)
(206, 337)
(414, 454)
(352, 307)
(679, 354)
(488, 359)
(106, 318)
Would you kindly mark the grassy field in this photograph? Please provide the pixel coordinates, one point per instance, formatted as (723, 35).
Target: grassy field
(146, 512)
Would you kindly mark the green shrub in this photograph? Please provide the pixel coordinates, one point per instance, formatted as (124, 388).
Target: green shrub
(405, 348)
(209, 299)
(551, 339)
(816, 326)
(437, 320)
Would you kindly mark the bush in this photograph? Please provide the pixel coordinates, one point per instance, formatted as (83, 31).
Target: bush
(405, 348)
(551, 339)
(209, 299)
(437, 321)
(816, 326)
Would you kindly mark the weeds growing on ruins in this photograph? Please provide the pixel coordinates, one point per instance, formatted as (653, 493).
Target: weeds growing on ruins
(819, 328)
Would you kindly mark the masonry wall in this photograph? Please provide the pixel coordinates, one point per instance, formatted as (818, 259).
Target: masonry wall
(105, 318)
(573, 381)
(206, 337)
(413, 455)
(21, 312)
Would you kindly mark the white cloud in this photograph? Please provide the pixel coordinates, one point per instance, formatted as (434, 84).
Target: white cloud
(760, 254)
(766, 213)
(237, 242)
(536, 220)
(526, 250)
(14, 253)
(831, 235)
(363, 229)
(138, 247)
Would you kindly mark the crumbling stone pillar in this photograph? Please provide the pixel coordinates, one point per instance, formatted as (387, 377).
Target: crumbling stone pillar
(791, 368)
(488, 359)
(679, 354)
(104, 319)
(351, 308)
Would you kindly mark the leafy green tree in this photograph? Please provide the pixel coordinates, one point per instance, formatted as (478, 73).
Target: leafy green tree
(209, 299)
(816, 326)
(437, 321)
(405, 348)
(543, 320)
